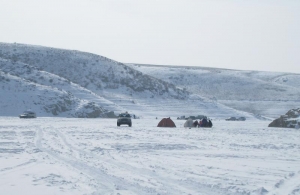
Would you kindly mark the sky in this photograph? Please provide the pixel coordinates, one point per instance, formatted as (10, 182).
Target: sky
(235, 34)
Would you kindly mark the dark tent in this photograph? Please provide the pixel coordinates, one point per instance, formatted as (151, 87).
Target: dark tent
(206, 123)
(166, 122)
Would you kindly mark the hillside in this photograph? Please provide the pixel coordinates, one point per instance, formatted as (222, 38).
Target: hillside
(93, 72)
(23, 93)
(261, 93)
(68, 83)
(93, 84)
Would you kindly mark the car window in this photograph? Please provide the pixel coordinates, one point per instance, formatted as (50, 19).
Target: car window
(124, 115)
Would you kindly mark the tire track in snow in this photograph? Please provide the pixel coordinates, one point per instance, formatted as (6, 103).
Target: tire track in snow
(106, 184)
(290, 185)
(13, 168)
(81, 167)
(170, 185)
(121, 183)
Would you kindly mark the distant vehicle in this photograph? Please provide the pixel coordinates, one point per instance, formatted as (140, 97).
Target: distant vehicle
(191, 117)
(181, 118)
(124, 118)
(28, 114)
(241, 118)
(200, 117)
(231, 119)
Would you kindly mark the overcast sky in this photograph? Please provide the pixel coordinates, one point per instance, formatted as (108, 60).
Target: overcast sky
(235, 34)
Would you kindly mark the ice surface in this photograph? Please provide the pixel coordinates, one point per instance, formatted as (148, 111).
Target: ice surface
(94, 156)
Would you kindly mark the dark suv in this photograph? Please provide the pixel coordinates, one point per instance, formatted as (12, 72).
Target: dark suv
(124, 118)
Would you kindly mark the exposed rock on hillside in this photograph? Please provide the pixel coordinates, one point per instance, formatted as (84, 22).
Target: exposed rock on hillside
(91, 110)
(290, 120)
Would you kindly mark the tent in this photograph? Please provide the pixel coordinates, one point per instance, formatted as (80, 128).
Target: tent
(206, 123)
(189, 123)
(166, 122)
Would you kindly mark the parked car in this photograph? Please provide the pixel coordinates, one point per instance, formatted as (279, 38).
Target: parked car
(241, 118)
(181, 118)
(231, 119)
(200, 117)
(28, 114)
(124, 118)
(191, 117)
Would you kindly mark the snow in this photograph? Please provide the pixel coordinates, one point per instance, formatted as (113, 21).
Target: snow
(68, 83)
(94, 156)
(265, 93)
(57, 155)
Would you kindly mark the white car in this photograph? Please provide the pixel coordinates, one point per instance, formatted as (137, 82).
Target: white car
(28, 114)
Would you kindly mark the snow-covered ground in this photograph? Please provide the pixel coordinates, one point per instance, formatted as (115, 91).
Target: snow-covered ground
(94, 156)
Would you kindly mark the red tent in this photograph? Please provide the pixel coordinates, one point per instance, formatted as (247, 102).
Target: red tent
(166, 122)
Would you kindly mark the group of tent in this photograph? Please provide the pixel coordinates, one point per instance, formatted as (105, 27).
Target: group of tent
(167, 122)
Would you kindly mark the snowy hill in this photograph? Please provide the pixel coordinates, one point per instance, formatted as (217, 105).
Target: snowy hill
(57, 82)
(263, 93)
(23, 93)
(89, 78)
(93, 85)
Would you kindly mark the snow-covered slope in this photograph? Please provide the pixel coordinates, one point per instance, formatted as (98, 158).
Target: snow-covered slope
(43, 78)
(95, 85)
(265, 93)
(89, 78)
(96, 73)
(97, 82)
(19, 94)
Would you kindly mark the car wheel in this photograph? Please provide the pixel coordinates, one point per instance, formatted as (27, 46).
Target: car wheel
(129, 125)
(118, 124)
